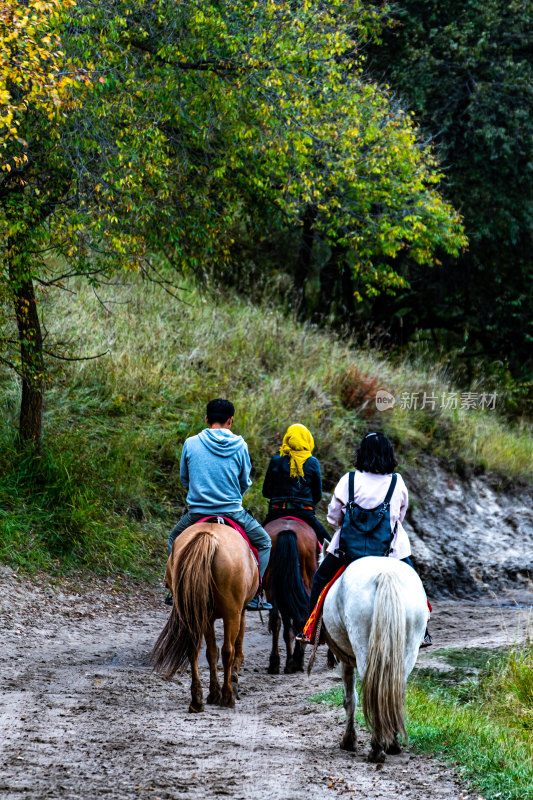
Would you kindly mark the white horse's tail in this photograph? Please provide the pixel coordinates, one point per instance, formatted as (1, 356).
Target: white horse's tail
(384, 679)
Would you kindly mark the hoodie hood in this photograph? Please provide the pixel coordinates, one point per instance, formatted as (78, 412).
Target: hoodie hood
(221, 441)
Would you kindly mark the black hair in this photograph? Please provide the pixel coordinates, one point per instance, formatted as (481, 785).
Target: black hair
(376, 454)
(219, 410)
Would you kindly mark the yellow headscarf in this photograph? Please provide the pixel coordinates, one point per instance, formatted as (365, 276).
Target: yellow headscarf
(298, 444)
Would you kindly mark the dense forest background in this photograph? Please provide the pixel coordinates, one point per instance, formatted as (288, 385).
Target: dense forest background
(465, 71)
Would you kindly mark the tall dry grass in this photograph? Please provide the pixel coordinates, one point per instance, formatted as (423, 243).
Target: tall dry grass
(115, 425)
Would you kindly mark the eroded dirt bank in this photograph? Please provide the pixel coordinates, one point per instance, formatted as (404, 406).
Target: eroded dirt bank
(470, 534)
(82, 716)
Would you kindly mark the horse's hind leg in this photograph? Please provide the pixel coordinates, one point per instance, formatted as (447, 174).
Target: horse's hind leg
(274, 624)
(298, 657)
(212, 659)
(377, 754)
(288, 637)
(232, 627)
(395, 747)
(349, 701)
(197, 701)
(239, 657)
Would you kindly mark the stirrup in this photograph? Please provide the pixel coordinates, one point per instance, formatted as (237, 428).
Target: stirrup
(427, 641)
(301, 637)
(258, 604)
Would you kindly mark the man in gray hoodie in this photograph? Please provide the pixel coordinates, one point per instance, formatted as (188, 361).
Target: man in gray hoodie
(215, 469)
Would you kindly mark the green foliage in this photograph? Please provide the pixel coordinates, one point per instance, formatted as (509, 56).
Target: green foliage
(465, 69)
(189, 109)
(183, 121)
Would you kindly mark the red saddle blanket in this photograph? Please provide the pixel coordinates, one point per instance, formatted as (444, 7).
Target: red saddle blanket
(298, 519)
(311, 624)
(227, 521)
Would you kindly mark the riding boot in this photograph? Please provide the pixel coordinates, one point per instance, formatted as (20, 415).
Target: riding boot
(427, 641)
(326, 571)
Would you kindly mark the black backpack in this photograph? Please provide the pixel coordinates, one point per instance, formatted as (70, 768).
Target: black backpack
(366, 531)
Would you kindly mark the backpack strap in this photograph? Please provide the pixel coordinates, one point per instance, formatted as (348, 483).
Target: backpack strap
(351, 487)
(392, 487)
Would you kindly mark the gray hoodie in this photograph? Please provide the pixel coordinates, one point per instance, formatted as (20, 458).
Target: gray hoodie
(215, 469)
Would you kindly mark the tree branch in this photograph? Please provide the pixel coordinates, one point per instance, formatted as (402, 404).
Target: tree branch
(75, 358)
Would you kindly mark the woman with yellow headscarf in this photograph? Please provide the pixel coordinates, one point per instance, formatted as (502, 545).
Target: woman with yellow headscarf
(293, 482)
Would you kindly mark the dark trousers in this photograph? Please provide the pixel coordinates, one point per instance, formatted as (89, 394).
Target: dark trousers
(305, 514)
(326, 571)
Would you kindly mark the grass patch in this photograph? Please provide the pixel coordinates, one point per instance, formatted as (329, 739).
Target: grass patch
(106, 489)
(478, 716)
(53, 518)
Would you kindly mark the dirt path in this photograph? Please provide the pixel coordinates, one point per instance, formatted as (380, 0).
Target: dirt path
(82, 716)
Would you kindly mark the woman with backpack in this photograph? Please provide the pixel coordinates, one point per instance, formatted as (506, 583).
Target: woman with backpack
(375, 488)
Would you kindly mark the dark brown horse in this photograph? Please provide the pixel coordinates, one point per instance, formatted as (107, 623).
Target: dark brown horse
(211, 574)
(287, 582)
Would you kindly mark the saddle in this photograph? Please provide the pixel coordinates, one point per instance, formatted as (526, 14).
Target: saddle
(236, 527)
(297, 519)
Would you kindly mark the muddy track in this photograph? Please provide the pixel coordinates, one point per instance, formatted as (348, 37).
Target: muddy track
(82, 716)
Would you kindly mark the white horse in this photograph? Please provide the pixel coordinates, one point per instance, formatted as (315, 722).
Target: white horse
(374, 619)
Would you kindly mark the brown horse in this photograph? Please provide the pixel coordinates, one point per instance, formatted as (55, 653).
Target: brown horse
(212, 574)
(287, 582)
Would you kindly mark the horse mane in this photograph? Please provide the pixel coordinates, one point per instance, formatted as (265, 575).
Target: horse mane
(384, 680)
(192, 589)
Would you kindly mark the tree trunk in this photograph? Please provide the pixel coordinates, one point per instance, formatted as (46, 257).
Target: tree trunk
(31, 357)
(304, 259)
(328, 278)
(348, 301)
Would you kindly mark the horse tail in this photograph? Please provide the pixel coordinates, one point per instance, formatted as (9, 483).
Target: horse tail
(192, 588)
(320, 552)
(384, 679)
(288, 591)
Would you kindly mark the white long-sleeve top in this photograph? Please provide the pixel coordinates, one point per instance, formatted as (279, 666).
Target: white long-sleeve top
(370, 491)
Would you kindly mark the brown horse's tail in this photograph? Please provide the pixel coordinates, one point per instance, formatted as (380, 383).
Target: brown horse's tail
(289, 594)
(192, 581)
(384, 679)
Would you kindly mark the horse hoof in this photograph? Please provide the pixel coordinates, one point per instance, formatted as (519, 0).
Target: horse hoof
(273, 669)
(394, 749)
(213, 698)
(227, 701)
(195, 709)
(376, 757)
(290, 669)
(349, 744)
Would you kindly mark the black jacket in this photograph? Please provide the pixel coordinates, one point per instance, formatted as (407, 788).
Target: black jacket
(279, 484)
